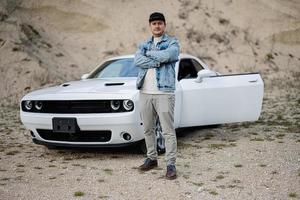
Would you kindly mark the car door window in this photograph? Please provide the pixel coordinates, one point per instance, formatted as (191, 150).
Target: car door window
(187, 69)
(197, 65)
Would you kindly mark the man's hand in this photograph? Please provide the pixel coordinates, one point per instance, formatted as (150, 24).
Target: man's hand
(142, 61)
(165, 56)
(151, 59)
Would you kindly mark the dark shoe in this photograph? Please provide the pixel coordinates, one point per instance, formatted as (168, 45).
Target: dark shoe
(148, 164)
(171, 172)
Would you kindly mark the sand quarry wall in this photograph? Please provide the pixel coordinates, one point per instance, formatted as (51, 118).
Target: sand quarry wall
(44, 43)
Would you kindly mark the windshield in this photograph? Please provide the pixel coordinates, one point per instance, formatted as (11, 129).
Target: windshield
(116, 68)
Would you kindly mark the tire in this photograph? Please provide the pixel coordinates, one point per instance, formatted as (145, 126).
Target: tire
(160, 141)
(143, 147)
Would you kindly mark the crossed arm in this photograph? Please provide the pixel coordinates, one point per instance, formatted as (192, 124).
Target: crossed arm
(142, 61)
(151, 59)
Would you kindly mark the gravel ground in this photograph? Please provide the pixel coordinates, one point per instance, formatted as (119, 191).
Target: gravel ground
(259, 160)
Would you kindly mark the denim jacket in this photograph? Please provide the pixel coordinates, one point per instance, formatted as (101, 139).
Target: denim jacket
(163, 60)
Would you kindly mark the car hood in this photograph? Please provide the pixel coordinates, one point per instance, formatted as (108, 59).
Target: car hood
(87, 88)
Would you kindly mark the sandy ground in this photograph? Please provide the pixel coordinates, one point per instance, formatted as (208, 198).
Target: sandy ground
(259, 160)
(50, 42)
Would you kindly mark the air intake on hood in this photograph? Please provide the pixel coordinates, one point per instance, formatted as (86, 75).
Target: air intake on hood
(112, 84)
(65, 84)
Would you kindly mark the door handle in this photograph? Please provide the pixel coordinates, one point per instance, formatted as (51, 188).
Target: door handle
(253, 81)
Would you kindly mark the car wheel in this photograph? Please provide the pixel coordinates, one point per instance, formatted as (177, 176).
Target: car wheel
(160, 147)
(143, 147)
(160, 140)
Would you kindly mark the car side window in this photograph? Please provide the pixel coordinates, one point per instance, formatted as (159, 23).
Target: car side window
(197, 65)
(187, 69)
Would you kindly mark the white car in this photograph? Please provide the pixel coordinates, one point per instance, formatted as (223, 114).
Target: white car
(102, 109)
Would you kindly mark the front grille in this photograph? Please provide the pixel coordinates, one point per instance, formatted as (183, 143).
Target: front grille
(75, 106)
(80, 136)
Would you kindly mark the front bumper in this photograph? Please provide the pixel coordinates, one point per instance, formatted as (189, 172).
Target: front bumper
(116, 123)
(36, 141)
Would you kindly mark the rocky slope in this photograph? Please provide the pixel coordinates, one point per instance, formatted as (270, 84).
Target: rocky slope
(49, 42)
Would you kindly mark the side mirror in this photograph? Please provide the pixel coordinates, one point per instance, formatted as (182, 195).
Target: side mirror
(84, 76)
(204, 73)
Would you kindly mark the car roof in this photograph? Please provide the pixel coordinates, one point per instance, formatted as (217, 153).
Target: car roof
(182, 55)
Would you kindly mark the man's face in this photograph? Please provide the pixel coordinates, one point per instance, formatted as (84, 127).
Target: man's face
(157, 28)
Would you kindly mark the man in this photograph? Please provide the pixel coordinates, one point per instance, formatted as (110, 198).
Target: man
(156, 60)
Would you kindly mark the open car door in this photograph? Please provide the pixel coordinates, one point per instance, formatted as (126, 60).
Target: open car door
(220, 99)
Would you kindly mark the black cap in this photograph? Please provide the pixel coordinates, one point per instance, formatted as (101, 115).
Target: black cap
(157, 16)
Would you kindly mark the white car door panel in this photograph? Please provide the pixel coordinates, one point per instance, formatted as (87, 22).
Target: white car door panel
(221, 99)
(177, 109)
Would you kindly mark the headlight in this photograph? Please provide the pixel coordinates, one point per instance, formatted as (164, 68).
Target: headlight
(28, 105)
(115, 104)
(38, 105)
(128, 104)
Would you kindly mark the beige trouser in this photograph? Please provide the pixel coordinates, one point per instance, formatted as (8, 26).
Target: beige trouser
(161, 106)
